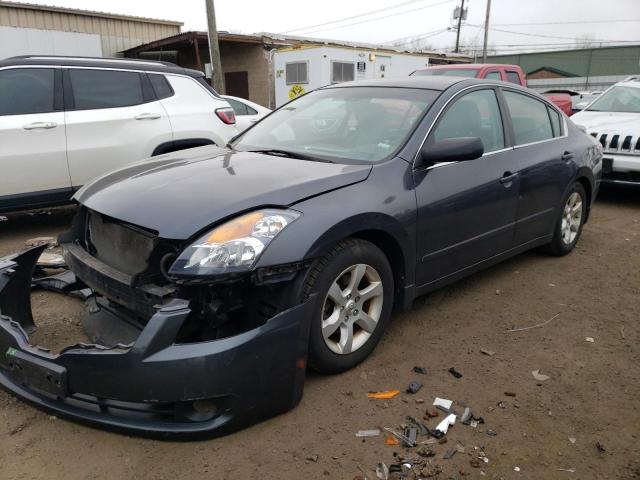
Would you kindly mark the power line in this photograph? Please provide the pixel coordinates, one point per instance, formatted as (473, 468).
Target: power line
(371, 12)
(539, 35)
(373, 19)
(563, 23)
(413, 38)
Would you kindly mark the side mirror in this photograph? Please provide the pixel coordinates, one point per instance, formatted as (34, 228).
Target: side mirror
(450, 150)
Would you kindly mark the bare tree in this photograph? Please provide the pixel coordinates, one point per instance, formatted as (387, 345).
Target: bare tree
(586, 40)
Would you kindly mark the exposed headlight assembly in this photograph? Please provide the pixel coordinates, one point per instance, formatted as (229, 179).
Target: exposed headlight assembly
(234, 246)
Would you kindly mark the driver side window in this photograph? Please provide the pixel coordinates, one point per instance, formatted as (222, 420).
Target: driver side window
(475, 114)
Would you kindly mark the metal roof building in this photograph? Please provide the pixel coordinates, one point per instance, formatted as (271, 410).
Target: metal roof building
(45, 30)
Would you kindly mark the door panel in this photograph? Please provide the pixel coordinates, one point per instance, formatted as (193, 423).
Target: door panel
(544, 175)
(465, 214)
(32, 134)
(105, 131)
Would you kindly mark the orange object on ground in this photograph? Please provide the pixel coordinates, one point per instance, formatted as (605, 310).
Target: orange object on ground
(391, 440)
(383, 395)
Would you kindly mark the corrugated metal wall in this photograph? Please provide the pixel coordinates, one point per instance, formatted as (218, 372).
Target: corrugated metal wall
(116, 34)
(31, 41)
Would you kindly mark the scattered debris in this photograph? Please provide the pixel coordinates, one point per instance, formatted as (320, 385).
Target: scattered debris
(516, 469)
(51, 260)
(382, 471)
(600, 447)
(455, 373)
(65, 283)
(419, 400)
(486, 352)
(510, 394)
(442, 402)
(383, 395)
(420, 370)
(443, 426)
(570, 470)
(313, 458)
(391, 440)
(539, 376)
(449, 453)
(491, 433)
(37, 241)
(424, 430)
(475, 463)
(426, 452)
(403, 438)
(466, 416)
(590, 339)
(460, 447)
(622, 332)
(534, 326)
(368, 433)
(431, 413)
(414, 386)
(572, 439)
(411, 434)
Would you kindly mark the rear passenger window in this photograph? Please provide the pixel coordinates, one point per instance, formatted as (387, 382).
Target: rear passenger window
(529, 116)
(476, 114)
(26, 90)
(555, 122)
(93, 89)
(513, 77)
(161, 86)
(238, 107)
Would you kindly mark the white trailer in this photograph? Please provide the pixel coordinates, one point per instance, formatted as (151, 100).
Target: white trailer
(303, 68)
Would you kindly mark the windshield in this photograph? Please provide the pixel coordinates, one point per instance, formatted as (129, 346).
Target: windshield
(449, 72)
(618, 99)
(361, 124)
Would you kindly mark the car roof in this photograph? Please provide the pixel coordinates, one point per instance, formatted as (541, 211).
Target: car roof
(633, 81)
(440, 82)
(99, 62)
(469, 66)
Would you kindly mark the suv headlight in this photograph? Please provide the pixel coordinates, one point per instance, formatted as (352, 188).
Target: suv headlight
(234, 246)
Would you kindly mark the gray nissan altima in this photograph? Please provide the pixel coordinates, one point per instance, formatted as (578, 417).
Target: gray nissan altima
(220, 274)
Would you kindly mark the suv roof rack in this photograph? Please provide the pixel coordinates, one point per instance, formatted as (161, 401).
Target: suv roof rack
(93, 59)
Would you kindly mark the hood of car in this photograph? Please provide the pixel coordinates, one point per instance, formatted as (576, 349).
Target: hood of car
(181, 193)
(620, 123)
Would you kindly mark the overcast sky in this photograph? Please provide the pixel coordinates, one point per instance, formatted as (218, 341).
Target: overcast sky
(600, 20)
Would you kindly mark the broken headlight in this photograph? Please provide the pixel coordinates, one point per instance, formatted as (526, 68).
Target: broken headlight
(234, 246)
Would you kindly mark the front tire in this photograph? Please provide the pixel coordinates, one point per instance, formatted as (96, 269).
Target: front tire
(569, 225)
(354, 287)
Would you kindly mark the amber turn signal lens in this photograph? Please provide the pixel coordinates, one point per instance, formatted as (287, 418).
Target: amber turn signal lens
(238, 228)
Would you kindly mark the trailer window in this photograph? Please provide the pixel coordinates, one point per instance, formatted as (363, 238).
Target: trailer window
(297, 72)
(342, 71)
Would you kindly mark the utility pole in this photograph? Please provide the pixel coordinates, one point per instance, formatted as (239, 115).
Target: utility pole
(214, 49)
(486, 32)
(460, 15)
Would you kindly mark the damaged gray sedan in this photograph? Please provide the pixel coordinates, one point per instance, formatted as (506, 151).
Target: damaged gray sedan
(219, 274)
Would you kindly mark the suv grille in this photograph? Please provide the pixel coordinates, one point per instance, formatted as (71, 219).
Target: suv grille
(614, 143)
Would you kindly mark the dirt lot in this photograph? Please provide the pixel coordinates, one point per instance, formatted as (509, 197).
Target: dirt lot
(591, 396)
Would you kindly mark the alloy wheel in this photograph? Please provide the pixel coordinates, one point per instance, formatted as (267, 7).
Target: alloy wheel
(571, 218)
(352, 308)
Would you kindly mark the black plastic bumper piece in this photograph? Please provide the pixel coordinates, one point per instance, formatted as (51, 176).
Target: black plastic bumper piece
(154, 387)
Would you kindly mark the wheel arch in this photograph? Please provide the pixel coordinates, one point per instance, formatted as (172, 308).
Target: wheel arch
(585, 178)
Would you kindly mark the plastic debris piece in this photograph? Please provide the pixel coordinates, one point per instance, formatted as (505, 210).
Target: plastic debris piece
(590, 339)
(516, 469)
(539, 376)
(420, 370)
(473, 423)
(400, 436)
(486, 352)
(368, 433)
(382, 471)
(455, 373)
(51, 260)
(570, 470)
(443, 426)
(383, 395)
(442, 402)
(460, 447)
(572, 439)
(424, 430)
(414, 386)
(412, 436)
(449, 453)
(391, 440)
(466, 416)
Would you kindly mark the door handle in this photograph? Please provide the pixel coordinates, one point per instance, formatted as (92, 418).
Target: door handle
(508, 178)
(567, 156)
(40, 126)
(254, 120)
(147, 116)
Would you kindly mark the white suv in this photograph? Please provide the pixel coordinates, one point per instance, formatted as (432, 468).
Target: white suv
(614, 120)
(64, 121)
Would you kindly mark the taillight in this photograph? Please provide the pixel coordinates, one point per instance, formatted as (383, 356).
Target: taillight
(227, 115)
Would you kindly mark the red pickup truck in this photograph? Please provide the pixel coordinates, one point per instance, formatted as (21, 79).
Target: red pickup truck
(494, 71)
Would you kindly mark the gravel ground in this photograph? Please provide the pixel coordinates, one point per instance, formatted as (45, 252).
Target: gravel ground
(591, 396)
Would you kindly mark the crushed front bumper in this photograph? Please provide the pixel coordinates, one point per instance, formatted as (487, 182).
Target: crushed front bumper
(154, 387)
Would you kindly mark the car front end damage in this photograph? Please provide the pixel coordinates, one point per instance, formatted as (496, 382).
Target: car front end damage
(169, 358)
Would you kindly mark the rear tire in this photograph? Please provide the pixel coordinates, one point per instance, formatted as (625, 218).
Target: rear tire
(354, 287)
(573, 212)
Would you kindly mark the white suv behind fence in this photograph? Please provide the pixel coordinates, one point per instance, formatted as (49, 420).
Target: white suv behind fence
(65, 121)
